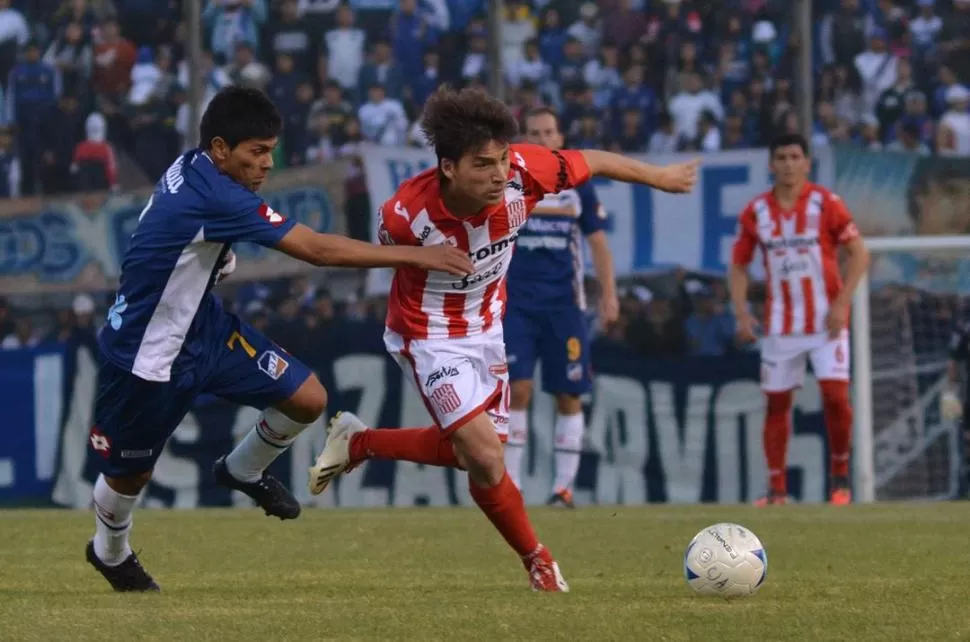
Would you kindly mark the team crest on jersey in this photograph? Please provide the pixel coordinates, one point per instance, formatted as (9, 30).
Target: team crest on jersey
(516, 210)
(272, 364)
(271, 216)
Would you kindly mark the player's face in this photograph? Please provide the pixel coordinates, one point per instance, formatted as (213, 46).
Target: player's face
(790, 165)
(248, 163)
(544, 130)
(481, 175)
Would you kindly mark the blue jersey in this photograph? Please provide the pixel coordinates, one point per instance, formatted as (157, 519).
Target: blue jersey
(547, 267)
(164, 309)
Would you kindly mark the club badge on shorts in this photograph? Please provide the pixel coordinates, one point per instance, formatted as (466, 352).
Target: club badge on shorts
(272, 364)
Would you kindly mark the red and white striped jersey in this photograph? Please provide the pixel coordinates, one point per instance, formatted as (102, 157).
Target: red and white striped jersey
(800, 251)
(431, 305)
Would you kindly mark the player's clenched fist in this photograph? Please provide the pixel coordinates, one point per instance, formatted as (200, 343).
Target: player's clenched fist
(444, 258)
(679, 178)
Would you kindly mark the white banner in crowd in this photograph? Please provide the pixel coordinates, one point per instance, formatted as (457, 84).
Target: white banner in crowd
(648, 229)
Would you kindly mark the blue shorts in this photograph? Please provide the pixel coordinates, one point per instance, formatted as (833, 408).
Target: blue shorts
(559, 338)
(134, 417)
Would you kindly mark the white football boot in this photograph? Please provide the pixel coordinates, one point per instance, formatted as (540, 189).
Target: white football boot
(335, 457)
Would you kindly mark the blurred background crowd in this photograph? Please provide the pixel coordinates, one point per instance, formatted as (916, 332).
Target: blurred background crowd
(89, 80)
(95, 98)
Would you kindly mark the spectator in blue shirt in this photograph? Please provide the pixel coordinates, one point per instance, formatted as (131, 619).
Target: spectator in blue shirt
(380, 70)
(32, 93)
(233, 21)
(552, 38)
(710, 328)
(411, 35)
(635, 95)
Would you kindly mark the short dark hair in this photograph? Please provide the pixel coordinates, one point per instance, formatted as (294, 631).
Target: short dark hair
(459, 122)
(541, 111)
(786, 140)
(238, 114)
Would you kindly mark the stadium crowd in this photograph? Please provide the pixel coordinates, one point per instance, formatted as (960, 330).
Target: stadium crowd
(88, 79)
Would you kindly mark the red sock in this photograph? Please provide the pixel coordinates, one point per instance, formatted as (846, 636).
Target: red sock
(503, 506)
(777, 429)
(838, 421)
(420, 445)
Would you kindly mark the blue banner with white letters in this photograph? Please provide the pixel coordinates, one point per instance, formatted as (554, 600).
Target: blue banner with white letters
(77, 244)
(648, 228)
(681, 431)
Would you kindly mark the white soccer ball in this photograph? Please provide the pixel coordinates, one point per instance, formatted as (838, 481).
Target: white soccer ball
(726, 560)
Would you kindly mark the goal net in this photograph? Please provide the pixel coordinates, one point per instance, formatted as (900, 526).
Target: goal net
(903, 316)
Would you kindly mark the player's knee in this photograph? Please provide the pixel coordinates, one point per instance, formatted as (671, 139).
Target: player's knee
(307, 404)
(129, 485)
(779, 403)
(521, 394)
(480, 451)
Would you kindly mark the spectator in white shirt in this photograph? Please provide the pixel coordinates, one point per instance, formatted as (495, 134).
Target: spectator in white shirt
(345, 49)
(518, 27)
(687, 106)
(877, 69)
(531, 67)
(382, 119)
(926, 26)
(664, 140)
(588, 29)
(953, 135)
(908, 139)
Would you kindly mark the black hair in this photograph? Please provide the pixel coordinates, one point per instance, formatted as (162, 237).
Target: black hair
(785, 140)
(238, 114)
(462, 122)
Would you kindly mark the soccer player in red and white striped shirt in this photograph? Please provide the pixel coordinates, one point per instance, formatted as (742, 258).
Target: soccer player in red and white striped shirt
(800, 227)
(445, 331)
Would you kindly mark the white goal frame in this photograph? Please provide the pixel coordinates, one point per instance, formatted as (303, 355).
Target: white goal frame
(863, 452)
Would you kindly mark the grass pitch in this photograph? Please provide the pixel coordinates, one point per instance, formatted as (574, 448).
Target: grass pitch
(887, 572)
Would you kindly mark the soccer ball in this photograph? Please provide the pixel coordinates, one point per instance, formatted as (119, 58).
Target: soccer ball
(726, 560)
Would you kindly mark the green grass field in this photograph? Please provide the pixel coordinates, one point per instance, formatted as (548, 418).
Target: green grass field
(889, 572)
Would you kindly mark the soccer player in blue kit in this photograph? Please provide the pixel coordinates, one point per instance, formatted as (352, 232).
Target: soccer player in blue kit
(167, 339)
(546, 318)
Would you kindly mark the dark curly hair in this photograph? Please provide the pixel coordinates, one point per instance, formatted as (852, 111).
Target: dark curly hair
(462, 122)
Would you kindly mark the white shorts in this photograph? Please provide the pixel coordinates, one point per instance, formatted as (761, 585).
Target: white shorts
(457, 379)
(783, 360)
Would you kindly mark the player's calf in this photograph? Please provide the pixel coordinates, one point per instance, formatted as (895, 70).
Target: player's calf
(109, 552)
(244, 469)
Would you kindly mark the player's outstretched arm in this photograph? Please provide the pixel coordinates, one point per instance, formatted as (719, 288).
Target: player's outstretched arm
(339, 251)
(677, 179)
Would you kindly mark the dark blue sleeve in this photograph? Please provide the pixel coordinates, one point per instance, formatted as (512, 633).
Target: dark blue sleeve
(241, 216)
(593, 217)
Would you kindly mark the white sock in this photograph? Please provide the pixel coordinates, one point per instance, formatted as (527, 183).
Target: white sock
(112, 522)
(269, 438)
(569, 445)
(515, 445)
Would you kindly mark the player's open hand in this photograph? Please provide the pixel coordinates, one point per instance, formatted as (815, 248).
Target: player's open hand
(444, 258)
(679, 178)
(747, 328)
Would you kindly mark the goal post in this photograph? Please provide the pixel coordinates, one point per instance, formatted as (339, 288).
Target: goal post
(902, 316)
